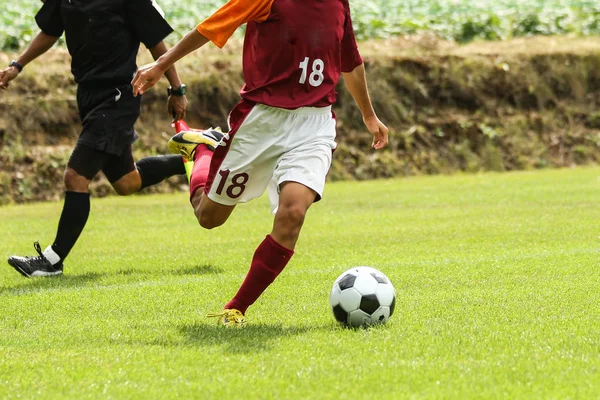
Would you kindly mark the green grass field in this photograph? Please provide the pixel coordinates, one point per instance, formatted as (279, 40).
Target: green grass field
(497, 280)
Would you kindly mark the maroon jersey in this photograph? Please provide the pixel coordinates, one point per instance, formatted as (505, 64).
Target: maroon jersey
(294, 50)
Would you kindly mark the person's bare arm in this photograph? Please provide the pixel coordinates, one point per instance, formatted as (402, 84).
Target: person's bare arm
(149, 74)
(356, 81)
(38, 46)
(176, 105)
(171, 73)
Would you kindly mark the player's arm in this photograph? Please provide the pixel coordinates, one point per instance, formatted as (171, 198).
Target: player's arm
(356, 81)
(147, 20)
(353, 72)
(49, 20)
(148, 75)
(38, 46)
(217, 28)
(171, 73)
(176, 104)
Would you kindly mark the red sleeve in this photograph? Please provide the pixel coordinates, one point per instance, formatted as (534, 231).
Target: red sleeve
(219, 27)
(350, 55)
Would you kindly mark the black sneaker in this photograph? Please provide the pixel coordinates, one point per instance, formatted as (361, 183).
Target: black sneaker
(35, 265)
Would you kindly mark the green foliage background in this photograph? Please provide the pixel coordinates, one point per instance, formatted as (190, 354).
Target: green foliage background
(461, 20)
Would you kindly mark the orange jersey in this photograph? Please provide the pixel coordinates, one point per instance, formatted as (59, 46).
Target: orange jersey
(294, 50)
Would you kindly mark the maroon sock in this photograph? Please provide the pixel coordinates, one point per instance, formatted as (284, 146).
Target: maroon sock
(270, 258)
(199, 175)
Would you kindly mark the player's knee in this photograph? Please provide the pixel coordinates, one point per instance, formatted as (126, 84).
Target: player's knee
(288, 223)
(123, 190)
(208, 213)
(128, 184)
(75, 182)
(208, 221)
(291, 215)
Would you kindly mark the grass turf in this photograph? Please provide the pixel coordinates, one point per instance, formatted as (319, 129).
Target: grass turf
(496, 278)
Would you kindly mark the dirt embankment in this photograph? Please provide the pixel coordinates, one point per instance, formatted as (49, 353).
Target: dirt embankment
(528, 103)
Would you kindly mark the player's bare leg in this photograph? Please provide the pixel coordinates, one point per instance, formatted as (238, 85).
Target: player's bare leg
(294, 201)
(84, 165)
(128, 184)
(273, 254)
(74, 182)
(209, 213)
(197, 147)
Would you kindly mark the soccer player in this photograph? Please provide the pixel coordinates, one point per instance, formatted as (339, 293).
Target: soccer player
(103, 38)
(282, 133)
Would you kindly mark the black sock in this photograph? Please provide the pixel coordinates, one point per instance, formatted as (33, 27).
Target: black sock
(156, 169)
(75, 212)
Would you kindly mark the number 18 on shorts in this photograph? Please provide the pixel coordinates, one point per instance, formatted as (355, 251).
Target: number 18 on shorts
(272, 146)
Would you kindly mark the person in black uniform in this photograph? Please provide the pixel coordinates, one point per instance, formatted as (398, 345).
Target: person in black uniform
(103, 38)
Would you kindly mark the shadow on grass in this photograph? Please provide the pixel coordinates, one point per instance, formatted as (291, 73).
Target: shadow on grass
(204, 269)
(249, 339)
(38, 284)
(34, 285)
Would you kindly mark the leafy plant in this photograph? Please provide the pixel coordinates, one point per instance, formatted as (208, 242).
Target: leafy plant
(460, 20)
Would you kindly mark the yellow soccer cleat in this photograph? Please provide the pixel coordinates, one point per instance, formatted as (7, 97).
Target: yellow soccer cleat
(185, 142)
(189, 168)
(230, 318)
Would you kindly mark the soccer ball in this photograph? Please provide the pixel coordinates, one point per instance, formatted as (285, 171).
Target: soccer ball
(362, 296)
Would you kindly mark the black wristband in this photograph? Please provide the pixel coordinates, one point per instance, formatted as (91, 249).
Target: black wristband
(180, 91)
(15, 64)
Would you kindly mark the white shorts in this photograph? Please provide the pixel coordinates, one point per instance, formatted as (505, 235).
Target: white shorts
(268, 146)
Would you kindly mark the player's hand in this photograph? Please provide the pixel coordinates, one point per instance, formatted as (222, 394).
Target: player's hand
(7, 75)
(379, 132)
(177, 107)
(145, 77)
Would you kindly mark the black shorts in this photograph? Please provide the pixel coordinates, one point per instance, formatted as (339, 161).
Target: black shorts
(87, 161)
(108, 113)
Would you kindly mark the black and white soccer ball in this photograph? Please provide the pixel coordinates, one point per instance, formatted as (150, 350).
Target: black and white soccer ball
(362, 296)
